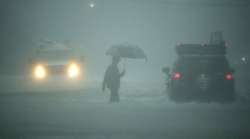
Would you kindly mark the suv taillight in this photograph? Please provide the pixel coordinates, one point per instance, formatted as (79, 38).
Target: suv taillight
(177, 75)
(229, 76)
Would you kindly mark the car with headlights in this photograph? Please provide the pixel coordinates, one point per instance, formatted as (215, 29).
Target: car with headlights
(56, 62)
(201, 73)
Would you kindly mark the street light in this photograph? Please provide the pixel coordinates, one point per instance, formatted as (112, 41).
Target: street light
(91, 5)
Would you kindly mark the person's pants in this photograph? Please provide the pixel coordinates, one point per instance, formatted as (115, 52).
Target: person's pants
(114, 95)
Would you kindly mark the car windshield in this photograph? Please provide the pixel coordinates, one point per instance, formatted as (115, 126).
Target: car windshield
(56, 55)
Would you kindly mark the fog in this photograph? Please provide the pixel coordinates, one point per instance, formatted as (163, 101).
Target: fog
(155, 26)
(150, 106)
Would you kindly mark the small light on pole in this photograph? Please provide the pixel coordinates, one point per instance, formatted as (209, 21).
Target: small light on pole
(243, 59)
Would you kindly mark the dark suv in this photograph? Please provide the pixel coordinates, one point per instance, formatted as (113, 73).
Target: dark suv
(201, 73)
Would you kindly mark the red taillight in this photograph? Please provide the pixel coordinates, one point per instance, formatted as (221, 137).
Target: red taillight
(177, 75)
(229, 76)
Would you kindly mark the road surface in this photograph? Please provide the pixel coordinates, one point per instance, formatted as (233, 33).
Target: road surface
(143, 113)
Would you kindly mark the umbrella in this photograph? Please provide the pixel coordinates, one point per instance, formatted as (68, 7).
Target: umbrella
(126, 51)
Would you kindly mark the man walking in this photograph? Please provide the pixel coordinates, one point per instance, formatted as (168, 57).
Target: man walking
(112, 79)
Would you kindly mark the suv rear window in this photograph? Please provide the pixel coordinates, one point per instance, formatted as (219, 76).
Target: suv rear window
(207, 64)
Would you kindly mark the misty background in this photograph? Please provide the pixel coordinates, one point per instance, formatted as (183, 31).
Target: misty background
(156, 26)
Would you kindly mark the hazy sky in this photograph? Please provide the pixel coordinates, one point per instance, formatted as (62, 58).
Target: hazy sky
(155, 25)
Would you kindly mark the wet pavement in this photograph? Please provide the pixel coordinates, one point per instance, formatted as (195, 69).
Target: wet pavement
(142, 113)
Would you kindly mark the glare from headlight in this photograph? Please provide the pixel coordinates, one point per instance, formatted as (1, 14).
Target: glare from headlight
(73, 70)
(40, 72)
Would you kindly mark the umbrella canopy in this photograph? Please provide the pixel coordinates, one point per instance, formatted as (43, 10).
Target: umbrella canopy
(126, 51)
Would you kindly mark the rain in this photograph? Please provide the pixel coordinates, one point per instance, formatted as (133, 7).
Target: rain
(124, 69)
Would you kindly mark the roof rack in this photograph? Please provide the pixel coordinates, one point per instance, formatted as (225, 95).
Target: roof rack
(198, 49)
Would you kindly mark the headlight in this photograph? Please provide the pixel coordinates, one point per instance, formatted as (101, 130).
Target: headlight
(73, 70)
(40, 72)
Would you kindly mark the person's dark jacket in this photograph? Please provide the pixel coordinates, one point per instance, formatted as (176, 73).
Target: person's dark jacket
(112, 77)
